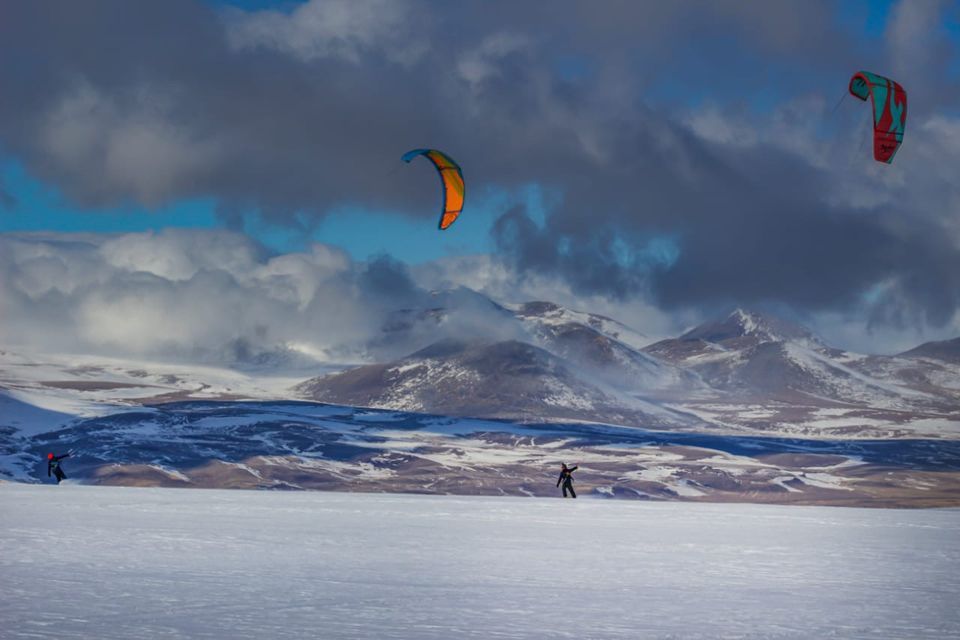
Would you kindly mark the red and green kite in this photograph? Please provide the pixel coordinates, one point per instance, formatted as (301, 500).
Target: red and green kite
(889, 111)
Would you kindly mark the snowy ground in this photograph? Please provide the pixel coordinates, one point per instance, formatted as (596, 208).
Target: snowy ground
(96, 562)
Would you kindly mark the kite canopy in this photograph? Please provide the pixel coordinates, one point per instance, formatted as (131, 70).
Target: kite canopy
(450, 177)
(889, 111)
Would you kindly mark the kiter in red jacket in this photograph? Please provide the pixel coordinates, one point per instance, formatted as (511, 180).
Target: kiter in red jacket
(53, 465)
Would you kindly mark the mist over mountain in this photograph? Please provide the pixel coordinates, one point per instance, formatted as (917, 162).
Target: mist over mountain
(744, 371)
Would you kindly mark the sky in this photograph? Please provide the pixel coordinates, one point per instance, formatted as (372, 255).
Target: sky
(166, 168)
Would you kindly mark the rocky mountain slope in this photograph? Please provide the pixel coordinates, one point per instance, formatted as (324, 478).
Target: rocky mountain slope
(509, 379)
(743, 372)
(944, 351)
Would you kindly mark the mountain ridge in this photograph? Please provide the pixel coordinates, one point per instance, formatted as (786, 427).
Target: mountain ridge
(713, 376)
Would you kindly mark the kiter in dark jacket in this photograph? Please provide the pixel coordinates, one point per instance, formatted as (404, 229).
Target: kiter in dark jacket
(53, 466)
(566, 477)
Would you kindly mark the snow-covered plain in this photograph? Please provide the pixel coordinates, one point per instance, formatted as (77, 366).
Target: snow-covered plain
(96, 562)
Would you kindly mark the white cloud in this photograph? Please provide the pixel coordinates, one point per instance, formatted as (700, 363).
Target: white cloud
(178, 254)
(214, 296)
(134, 142)
(217, 296)
(482, 62)
(494, 278)
(839, 142)
(341, 29)
(850, 331)
(913, 35)
(179, 294)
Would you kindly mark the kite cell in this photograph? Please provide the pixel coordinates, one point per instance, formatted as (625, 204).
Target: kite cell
(450, 177)
(889, 111)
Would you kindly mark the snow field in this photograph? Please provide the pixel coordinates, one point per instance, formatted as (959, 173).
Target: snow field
(96, 562)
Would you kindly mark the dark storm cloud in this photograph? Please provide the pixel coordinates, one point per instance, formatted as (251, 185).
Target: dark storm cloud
(745, 236)
(157, 101)
(298, 112)
(388, 281)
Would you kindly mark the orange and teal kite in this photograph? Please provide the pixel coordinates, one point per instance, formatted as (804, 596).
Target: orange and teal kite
(450, 177)
(889, 111)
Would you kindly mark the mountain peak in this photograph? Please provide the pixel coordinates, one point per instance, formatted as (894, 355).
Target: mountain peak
(946, 350)
(538, 308)
(745, 318)
(744, 323)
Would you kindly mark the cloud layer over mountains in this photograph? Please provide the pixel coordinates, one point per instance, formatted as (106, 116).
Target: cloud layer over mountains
(220, 297)
(673, 187)
(216, 296)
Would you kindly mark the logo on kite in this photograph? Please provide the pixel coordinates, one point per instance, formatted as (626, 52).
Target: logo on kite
(889, 111)
(451, 178)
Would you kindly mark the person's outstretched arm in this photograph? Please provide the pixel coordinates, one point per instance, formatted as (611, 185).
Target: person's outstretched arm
(574, 469)
(48, 469)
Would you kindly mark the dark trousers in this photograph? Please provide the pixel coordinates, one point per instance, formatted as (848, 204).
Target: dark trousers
(60, 474)
(568, 486)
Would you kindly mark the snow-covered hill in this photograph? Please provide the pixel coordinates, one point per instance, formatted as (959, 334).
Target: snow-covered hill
(94, 379)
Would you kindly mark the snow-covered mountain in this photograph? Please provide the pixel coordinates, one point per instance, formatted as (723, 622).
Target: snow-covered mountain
(768, 374)
(510, 379)
(758, 357)
(542, 317)
(746, 327)
(599, 346)
(464, 379)
(746, 371)
(544, 363)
